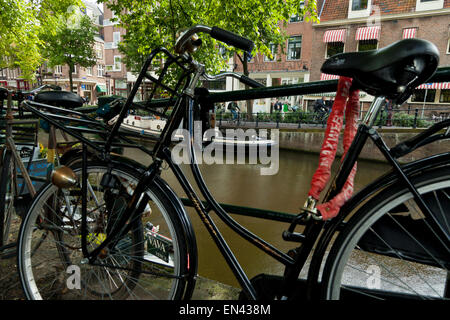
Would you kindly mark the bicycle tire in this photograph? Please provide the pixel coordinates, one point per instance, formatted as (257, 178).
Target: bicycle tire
(6, 201)
(387, 249)
(111, 282)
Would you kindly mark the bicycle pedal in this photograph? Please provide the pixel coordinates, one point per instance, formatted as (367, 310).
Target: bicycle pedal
(293, 236)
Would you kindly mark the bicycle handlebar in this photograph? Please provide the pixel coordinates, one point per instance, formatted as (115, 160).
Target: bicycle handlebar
(232, 39)
(186, 43)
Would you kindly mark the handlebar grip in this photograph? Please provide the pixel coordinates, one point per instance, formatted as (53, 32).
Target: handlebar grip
(232, 39)
(249, 81)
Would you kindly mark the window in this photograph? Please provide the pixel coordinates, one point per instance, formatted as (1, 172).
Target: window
(215, 85)
(334, 48)
(419, 95)
(294, 48)
(116, 37)
(359, 5)
(98, 51)
(117, 63)
(445, 95)
(448, 47)
(74, 69)
(89, 71)
(273, 51)
(58, 69)
(423, 5)
(364, 45)
(296, 17)
(359, 8)
(100, 69)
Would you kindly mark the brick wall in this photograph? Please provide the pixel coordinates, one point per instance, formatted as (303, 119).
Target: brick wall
(282, 64)
(434, 29)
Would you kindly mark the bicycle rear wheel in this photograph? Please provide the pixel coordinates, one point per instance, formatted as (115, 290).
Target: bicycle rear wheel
(388, 249)
(9, 221)
(149, 262)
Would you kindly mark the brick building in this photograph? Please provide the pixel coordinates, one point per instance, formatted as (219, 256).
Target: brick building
(358, 25)
(288, 67)
(88, 82)
(116, 72)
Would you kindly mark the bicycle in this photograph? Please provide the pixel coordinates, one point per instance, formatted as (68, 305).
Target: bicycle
(119, 258)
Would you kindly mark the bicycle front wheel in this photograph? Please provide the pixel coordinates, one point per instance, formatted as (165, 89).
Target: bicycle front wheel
(149, 262)
(388, 250)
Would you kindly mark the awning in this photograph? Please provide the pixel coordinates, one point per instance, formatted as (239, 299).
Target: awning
(435, 85)
(325, 76)
(100, 88)
(368, 33)
(334, 35)
(409, 33)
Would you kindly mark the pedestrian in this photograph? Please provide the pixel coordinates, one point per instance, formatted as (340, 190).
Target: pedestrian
(329, 105)
(277, 106)
(320, 106)
(388, 107)
(234, 108)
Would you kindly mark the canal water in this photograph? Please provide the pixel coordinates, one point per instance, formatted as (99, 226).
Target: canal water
(243, 185)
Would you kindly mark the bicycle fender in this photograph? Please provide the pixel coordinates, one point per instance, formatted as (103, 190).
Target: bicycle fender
(383, 182)
(188, 231)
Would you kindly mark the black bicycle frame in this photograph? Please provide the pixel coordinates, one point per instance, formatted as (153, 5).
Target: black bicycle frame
(184, 110)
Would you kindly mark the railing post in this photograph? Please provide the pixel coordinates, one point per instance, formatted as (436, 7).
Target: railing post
(380, 124)
(220, 118)
(416, 114)
(256, 120)
(278, 120)
(299, 120)
(239, 118)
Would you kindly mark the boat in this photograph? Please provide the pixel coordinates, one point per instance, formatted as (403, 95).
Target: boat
(151, 127)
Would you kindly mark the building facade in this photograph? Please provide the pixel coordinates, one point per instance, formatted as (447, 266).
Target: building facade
(289, 66)
(116, 72)
(358, 25)
(89, 82)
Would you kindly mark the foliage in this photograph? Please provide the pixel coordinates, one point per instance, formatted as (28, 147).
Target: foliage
(151, 24)
(72, 44)
(22, 23)
(403, 119)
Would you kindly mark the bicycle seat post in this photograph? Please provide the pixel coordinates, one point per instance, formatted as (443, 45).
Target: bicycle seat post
(372, 113)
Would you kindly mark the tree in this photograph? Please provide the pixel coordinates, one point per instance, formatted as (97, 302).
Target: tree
(22, 22)
(72, 44)
(151, 24)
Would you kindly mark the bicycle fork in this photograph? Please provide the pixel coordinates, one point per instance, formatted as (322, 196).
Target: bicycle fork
(137, 203)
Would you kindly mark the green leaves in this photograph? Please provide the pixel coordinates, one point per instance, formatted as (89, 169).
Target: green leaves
(151, 24)
(22, 24)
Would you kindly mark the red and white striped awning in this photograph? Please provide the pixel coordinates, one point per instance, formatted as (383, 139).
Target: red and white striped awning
(409, 33)
(435, 85)
(325, 76)
(368, 33)
(334, 35)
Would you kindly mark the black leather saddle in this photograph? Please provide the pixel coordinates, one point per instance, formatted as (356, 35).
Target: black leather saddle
(393, 71)
(64, 99)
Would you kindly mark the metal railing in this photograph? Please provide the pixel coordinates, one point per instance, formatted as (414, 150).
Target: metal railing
(402, 117)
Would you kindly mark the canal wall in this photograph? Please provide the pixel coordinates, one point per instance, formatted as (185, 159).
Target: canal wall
(310, 140)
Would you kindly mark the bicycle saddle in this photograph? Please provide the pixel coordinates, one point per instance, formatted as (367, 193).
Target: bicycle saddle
(393, 71)
(63, 99)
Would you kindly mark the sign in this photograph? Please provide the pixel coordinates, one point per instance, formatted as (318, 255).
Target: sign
(83, 87)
